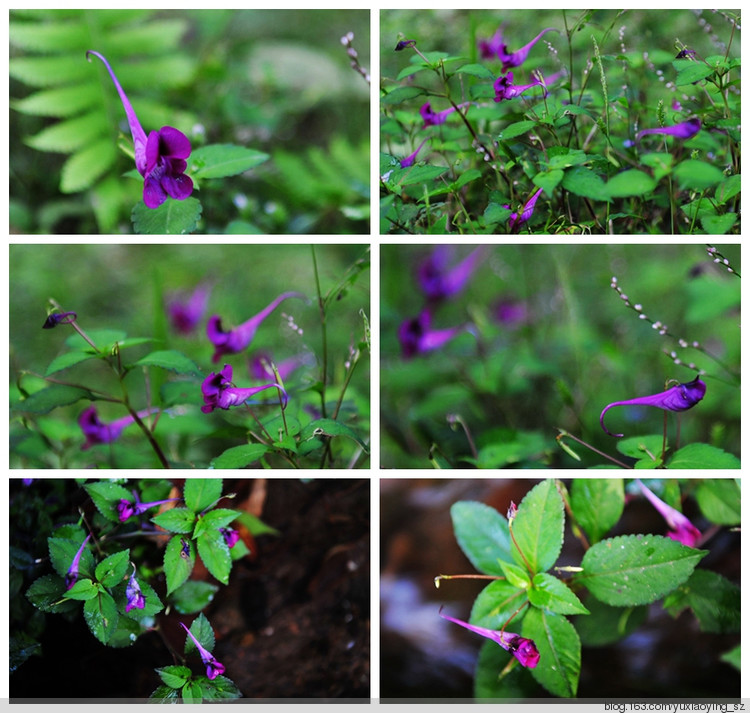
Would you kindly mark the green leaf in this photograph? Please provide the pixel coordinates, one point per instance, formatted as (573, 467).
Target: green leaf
(719, 501)
(636, 569)
(597, 504)
(174, 676)
(419, 174)
(176, 567)
(713, 599)
(331, 428)
(559, 648)
(496, 604)
(641, 447)
(516, 684)
(202, 631)
(215, 519)
(733, 657)
(105, 496)
(171, 360)
(549, 180)
(49, 71)
(476, 70)
(630, 183)
(105, 339)
(192, 692)
(538, 528)
(728, 188)
(240, 456)
(719, 224)
(111, 570)
(219, 160)
(402, 94)
(605, 624)
(193, 596)
(215, 555)
(47, 595)
(48, 37)
(100, 614)
(200, 493)
(62, 551)
(52, 397)
(482, 533)
(585, 183)
(697, 175)
(548, 592)
(693, 72)
(66, 360)
(171, 218)
(64, 101)
(82, 590)
(84, 167)
(517, 576)
(153, 604)
(178, 520)
(69, 135)
(701, 455)
(516, 129)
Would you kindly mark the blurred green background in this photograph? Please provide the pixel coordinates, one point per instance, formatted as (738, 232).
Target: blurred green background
(277, 81)
(125, 287)
(575, 348)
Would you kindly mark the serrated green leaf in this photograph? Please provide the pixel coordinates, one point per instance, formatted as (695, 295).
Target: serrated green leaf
(240, 456)
(636, 569)
(200, 493)
(100, 614)
(517, 576)
(702, 456)
(215, 555)
(52, 397)
(585, 183)
(548, 592)
(176, 567)
(84, 167)
(220, 160)
(62, 551)
(538, 528)
(719, 501)
(171, 360)
(496, 604)
(693, 72)
(483, 535)
(171, 218)
(476, 70)
(642, 447)
(597, 504)
(219, 517)
(605, 625)
(402, 94)
(46, 594)
(178, 520)
(192, 692)
(713, 599)
(111, 570)
(559, 647)
(67, 360)
(105, 496)
(202, 631)
(152, 606)
(516, 129)
(174, 676)
(82, 590)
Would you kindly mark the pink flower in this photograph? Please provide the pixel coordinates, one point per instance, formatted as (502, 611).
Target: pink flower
(213, 667)
(682, 530)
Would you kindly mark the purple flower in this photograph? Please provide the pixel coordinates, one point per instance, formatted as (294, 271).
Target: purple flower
(218, 391)
(185, 313)
(439, 281)
(231, 537)
(523, 649)
(213, 667)
(411, 158)
(433, 119)
(496, 47)
(135, 596)
(160, 158)
(126, 509)
(682, 530)
(685, 130)
(260, 366)
(237, 339)
(416, 337)
(505, 89)
(55, 318)
(97, 432)
(72, 575)
(403, 44)
(511, 313)
(514, 221)
(677, 398)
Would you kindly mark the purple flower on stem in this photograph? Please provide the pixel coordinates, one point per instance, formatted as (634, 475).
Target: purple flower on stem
(72, 575)
(685, 130)
(186, 313)
(677, 398)
(433, 119)
(97, 432)
(160, 158)
(523, 649)
(237, 339)
(218, 391)
(439, 281)
(126, 509)
(505, 89)
(682, 530)
(411, 158)
(511, 313)
(403, 44)
(496, 47)
(134, 594)
(213, 667)
(55, 318)
(416, 337)
(231, 537)
(514, 221)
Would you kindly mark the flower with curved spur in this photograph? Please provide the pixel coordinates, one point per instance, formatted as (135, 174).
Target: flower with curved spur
(134, 595)
(411, 158)
(213, 667)
(680, 397)
(55, 318)
(681, 529)
(185, 313)
(97, 432)
(403, 44)
(218, 391)
(684, 130)
(439, 281)
(160, 157)
(416, 336)
(125, 509)
(237, 339)
(231, 537)
(71, 576)
(514, 221)
(505, 89)
(434, 119)
(496, 47)
(523, 649)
